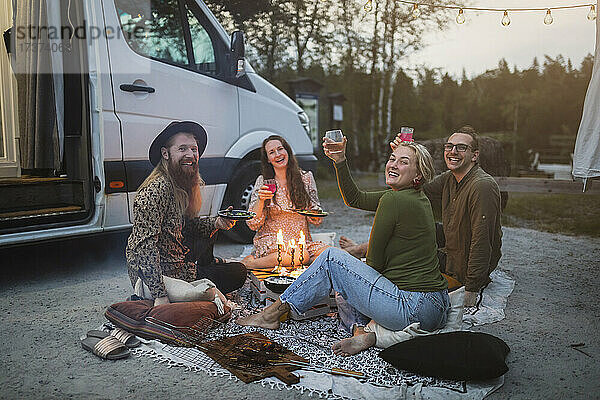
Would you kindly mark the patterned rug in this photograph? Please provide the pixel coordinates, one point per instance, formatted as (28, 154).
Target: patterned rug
(312, 339)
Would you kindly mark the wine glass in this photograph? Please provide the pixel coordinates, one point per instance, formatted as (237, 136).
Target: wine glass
(271, 184)
(337, 136)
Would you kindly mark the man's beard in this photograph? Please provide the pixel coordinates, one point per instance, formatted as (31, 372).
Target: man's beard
(187, 177)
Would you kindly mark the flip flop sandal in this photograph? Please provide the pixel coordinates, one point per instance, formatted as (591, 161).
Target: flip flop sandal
(108, 348)
(121, 335)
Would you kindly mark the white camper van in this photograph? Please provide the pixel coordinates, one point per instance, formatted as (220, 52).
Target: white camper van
(87, 84)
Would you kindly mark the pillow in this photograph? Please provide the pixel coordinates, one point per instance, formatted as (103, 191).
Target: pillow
(386, 338)
(454, 355)
(455, 312)
(179, 290)
(137, 318)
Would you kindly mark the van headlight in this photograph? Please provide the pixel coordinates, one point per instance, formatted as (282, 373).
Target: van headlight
(304, 121)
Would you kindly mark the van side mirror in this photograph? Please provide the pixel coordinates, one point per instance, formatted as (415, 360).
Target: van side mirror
(7, 39)
(237, 54)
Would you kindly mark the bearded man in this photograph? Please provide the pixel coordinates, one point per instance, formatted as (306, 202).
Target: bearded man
(168, 238)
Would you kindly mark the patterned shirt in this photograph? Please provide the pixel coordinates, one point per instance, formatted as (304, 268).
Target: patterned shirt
(277, 215)
(156, 244)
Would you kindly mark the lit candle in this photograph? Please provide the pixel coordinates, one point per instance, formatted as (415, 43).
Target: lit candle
(302, 243)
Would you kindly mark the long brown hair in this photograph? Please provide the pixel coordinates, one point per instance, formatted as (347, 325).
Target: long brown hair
(188, 204)
(293, 174)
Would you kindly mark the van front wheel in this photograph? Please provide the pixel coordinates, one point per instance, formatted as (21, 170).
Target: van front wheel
(238, 195)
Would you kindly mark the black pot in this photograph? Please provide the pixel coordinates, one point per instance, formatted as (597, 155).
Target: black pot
(278, 284)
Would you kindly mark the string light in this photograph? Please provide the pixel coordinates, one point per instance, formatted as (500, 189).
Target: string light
(460, 18)
(506, 19)
(548, 18)
(592, 14)
(415, 11)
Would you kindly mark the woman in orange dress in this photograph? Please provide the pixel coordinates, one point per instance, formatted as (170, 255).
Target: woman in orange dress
(295, 189)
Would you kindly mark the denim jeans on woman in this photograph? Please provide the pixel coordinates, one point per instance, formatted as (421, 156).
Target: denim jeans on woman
(366, 290)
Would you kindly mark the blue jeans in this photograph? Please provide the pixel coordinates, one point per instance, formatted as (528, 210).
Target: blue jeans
(367, 291)
(348, 316)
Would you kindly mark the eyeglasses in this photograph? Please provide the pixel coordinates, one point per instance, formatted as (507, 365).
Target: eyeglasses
(461, 148)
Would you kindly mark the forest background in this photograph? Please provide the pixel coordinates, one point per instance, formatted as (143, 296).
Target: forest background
(363, 55)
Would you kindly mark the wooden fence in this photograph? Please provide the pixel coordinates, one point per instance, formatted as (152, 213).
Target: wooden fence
(541, 185)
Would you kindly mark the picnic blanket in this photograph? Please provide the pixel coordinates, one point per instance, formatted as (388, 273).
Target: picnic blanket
(312, 339)
(493, 301)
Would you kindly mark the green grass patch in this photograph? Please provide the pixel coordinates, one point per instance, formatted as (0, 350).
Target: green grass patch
(574, 214)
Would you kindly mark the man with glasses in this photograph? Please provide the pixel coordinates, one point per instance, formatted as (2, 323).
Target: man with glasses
(469, 202)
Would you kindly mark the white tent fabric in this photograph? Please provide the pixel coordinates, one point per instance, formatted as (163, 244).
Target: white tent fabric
(586, 159)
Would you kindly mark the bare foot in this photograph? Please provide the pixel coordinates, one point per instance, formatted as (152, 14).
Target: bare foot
(346, 242)
(354, 345)
(267, 318)
(259, 320)
(256, 263)
(358, 330)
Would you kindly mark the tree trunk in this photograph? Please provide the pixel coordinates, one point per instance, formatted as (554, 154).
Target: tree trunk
(391, 82)
(374, 62)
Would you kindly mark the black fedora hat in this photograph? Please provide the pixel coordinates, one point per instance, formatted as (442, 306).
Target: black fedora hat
(172, 129)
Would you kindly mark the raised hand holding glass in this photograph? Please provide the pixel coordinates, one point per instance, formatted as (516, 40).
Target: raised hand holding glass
(271, 184)
(337, 136)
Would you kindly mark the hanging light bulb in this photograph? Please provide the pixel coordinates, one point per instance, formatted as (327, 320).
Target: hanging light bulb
(592, 14)
(506, 19)
(415, 11)
(460, 18)
(368, 6)
(548, 18)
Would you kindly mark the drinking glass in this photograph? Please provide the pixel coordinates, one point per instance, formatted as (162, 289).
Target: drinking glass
(271, 184)
(337, 136)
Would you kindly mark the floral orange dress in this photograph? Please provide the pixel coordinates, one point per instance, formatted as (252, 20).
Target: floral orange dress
(277, 216)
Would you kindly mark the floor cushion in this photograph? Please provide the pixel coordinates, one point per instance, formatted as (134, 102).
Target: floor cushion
(165, 322)
(454, 355)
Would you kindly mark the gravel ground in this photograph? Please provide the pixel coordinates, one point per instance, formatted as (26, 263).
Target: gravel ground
(52, 293)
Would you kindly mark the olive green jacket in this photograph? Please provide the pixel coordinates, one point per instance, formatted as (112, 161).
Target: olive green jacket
(470, 212)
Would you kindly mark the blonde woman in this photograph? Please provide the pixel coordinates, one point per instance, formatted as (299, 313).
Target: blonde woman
(400, 283)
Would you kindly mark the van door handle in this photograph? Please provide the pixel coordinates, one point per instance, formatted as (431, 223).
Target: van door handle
(136, 88)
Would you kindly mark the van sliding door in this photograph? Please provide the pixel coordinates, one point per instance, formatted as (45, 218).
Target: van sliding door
(168, 63)
(45, 93)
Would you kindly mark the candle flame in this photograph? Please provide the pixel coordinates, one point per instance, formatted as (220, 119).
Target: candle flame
(280, 237)
(302, 240)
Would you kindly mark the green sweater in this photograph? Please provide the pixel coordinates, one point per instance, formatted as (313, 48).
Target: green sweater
(402, 245)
